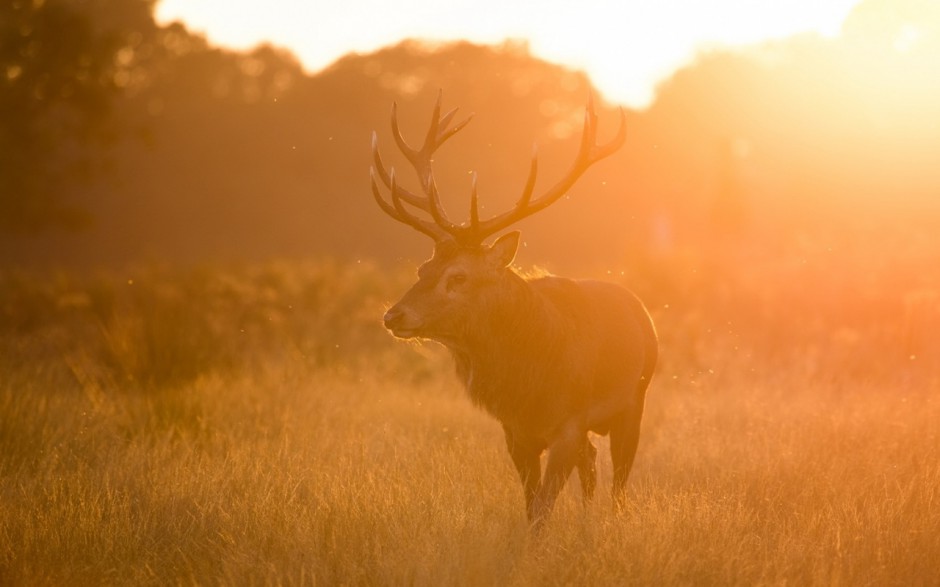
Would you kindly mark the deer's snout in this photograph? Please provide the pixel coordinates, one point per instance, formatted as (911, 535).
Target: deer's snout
(399, 323)
(393, 318)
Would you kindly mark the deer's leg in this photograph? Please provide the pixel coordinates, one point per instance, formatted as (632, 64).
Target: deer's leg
(587, 471)
(526, 459)
(624, 437)
(563, 454)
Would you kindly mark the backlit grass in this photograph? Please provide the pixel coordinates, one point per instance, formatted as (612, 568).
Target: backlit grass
(303, 446)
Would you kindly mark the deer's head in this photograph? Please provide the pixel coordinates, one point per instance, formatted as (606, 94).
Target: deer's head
(452, 286)
(464, 272)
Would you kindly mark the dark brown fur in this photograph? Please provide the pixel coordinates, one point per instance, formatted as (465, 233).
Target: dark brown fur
(551, 358)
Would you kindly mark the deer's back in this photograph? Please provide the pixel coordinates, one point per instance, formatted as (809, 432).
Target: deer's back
(609, 341)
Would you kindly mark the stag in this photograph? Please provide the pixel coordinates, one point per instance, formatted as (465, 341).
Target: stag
(551, 358)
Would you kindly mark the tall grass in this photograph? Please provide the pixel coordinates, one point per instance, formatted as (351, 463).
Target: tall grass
(257, 426)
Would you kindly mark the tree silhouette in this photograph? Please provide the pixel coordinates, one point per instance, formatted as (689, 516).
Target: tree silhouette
(60, 70)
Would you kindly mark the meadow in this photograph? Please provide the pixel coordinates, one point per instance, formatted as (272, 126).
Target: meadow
(257, 426)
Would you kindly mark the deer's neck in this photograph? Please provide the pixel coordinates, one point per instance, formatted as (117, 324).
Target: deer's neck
(509, 338)
(504, 320)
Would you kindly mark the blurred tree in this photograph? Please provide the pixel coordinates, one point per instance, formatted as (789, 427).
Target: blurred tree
(62, 64)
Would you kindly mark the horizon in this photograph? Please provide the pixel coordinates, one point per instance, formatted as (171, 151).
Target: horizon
(664, 42)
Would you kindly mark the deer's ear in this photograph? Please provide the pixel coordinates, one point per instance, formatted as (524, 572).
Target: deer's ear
(504, 249)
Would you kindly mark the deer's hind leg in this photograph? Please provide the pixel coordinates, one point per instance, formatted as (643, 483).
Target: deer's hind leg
(587, 470)
(624, 438)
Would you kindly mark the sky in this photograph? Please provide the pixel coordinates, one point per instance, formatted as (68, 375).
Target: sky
(626, 47)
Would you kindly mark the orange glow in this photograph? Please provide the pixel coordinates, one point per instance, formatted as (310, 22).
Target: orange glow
(198, 384)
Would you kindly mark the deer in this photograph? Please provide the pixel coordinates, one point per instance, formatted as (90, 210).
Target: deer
(553, 359)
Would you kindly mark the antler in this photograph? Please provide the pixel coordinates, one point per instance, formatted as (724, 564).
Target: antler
(476, 232)
(588, 154)
(438, 132)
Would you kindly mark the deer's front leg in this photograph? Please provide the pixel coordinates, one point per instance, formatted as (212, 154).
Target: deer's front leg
(563, 454)
(525, 457)
(587, 470)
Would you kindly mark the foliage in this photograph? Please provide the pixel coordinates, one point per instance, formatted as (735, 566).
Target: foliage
(155, 327)
(60, 66)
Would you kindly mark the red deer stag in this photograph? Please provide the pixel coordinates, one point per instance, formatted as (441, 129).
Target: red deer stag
(551, 358)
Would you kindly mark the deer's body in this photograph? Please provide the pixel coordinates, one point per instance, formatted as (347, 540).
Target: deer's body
(556, 352)
(559, 359)
(551, 358)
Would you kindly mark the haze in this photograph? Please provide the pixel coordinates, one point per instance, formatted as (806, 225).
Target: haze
(196, 383)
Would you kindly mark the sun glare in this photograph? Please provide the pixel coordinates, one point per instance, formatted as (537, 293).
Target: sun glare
(627, 48)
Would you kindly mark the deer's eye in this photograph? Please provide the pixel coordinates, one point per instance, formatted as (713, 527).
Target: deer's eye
(456, 280)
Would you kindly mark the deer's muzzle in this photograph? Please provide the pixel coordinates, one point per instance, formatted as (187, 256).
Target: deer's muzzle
(397, 322)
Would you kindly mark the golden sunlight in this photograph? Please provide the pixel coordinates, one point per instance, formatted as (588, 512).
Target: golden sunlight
(627, 49)
(711, 314)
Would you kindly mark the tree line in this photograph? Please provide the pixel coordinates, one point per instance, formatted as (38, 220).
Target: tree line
(122, 139)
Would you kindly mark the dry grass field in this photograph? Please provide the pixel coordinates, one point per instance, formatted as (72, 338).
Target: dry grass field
(258, 427)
